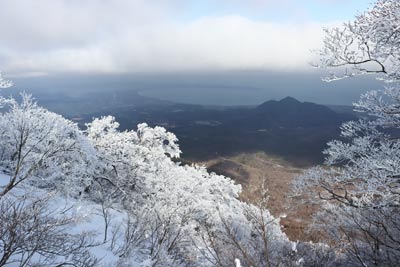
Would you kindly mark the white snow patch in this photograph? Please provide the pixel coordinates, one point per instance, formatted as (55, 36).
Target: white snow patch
(237, 263)
(4, 178)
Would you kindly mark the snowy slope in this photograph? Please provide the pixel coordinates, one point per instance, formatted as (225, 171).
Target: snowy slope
(88, 219)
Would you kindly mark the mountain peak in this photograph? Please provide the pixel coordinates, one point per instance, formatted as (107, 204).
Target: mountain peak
(289, 99)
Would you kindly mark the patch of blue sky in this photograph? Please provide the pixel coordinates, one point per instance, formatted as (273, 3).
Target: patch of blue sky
(277, 11)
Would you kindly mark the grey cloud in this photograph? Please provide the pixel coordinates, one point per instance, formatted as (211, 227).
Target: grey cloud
(128, 36)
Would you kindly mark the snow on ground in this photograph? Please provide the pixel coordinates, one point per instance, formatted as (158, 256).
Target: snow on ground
(89, 219)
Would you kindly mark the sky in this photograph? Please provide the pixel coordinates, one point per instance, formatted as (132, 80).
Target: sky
(45, 38)
(145, 36)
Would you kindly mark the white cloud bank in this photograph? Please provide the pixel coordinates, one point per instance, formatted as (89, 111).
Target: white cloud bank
(128, 36)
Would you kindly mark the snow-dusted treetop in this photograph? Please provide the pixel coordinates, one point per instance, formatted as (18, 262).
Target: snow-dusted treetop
(5, 83)
(360, 186)
(369, 44)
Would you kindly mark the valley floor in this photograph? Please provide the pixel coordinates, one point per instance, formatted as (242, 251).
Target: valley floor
(251, 170)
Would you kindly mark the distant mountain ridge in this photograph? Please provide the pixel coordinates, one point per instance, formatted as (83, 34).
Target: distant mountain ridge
(297, 131)
(288, 128)
(289, 112)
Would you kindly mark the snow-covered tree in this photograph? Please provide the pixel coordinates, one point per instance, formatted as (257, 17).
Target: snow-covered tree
(360, 187)
(35, 233)
(39, 149)
(5, 83)
(369, 44)
(42, 148)
(126, 158)
(177, 215)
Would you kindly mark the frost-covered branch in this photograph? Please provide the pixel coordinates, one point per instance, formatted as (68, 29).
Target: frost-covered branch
(38, 143)
(5, 83)
(34, 234)
(369, 44)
